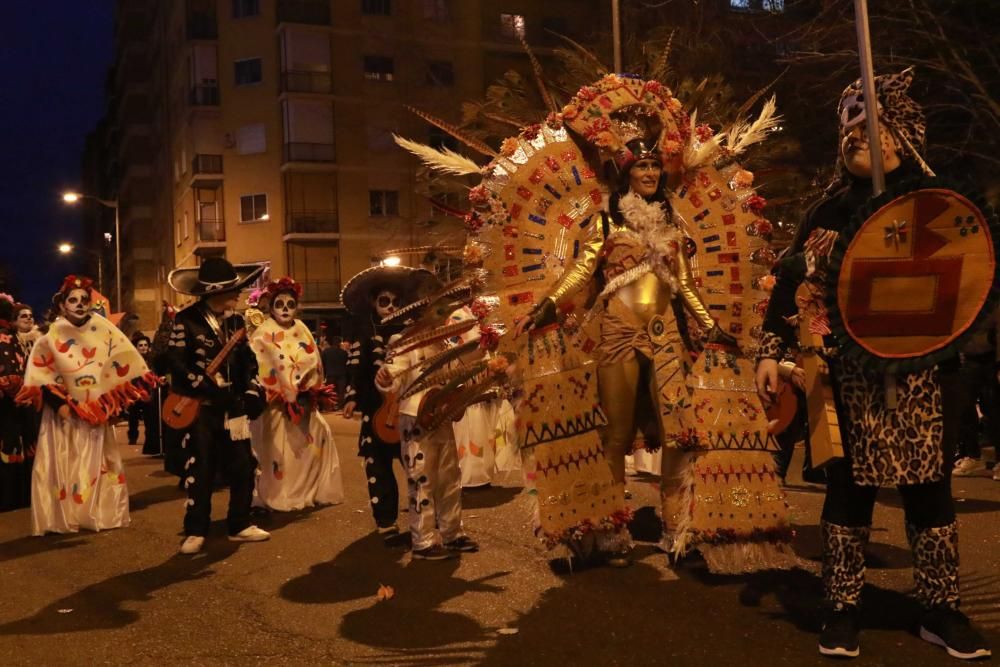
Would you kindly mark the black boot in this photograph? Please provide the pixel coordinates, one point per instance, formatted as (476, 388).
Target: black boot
(839, 637)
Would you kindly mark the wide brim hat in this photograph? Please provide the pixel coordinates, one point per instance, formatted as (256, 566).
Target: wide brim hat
(214, 276)
(409, 282)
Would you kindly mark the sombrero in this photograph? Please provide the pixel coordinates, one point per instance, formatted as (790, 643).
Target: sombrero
(410, 283)
(215, 275)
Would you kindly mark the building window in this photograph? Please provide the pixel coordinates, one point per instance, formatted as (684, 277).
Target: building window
(512, 26)
(187, 226)
(244, 8)
(438, 138)
(379, 68)
(383, 203)
(251, 139)
(376, 7)
(253, 208)
(248, 71)
(440, 73)
(773, 6)
(436, 10)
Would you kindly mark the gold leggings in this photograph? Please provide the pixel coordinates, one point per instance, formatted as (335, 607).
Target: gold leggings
(627, 389)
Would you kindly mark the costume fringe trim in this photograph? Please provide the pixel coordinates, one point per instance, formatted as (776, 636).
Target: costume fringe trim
(99, 410)
(746, 557)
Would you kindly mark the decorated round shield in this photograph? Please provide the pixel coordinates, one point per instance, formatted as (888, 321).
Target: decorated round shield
(912, 277)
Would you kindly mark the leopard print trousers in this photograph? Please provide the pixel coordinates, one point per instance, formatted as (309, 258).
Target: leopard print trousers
(935, 564)
(844, 561)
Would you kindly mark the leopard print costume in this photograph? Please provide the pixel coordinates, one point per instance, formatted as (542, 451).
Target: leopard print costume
(935, 560)
(844, 561)
(891, 446)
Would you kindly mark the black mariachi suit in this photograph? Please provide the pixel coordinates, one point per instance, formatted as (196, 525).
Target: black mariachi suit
(192, 347)
(364, 360)
(872, 433)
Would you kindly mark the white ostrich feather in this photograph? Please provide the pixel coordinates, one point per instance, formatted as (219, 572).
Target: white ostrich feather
(743, 134)
(660, 236)
(445, 160)
(696, 153)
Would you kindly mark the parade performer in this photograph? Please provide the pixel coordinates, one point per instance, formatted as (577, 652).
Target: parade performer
(27, 332)
(430, 455)
(17, 428)
(370, 296)
(220, 433)
(82, 374)
(146, 411)
(295, 449)
(891, 354)
(539, 234)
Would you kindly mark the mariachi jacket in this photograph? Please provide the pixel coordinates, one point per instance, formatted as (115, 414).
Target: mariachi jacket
(366, 356)
(192, 346)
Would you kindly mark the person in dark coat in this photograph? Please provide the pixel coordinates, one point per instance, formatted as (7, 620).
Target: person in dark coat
(335, 366)
(220, 433)
(18, 430)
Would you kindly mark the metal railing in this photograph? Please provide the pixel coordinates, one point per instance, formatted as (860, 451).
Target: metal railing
(204, 163)
(312, 12)
(320, 290)
(309, 152)
(301, 81)
(213, 231)
(205, 96)
(314, 221)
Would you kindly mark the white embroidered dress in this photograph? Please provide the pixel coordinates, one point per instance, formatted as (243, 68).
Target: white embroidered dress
(299, 465)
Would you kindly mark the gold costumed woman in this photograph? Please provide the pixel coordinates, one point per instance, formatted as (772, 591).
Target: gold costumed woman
(636, 256)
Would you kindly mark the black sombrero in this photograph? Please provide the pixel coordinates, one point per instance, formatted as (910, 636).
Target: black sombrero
(215, 275)
(410, 283)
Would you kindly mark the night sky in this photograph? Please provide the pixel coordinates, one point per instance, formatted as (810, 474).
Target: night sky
(55, 57)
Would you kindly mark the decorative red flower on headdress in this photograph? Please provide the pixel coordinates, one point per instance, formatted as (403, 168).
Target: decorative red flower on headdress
(72, 282)
(480, 308)
(755, 203)
(489, 338)
(286, 284)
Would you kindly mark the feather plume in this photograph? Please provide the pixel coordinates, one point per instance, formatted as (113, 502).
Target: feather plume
(428, 336)
(742, 134)
(661, 238)
(536, 69)
(445, 159)
(469, 141)
(429, 368)
(696, 153)
(746, 106)
(586, 53)
(661, 67)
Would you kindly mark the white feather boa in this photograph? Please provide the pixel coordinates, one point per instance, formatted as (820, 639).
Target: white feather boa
(660, 236)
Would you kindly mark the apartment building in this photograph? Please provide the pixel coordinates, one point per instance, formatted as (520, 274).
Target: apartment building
(261, 130)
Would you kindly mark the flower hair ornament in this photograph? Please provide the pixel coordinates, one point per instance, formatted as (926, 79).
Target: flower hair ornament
(72, 282)
(286, 284)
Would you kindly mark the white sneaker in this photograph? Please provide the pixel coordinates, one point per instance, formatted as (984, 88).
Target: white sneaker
(250, 534)
(967, 466)
(192, 544)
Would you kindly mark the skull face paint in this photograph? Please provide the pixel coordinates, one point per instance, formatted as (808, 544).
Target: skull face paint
(25, 321)
(142, 346)
(283, 309)
(75, 306)
(386, 303)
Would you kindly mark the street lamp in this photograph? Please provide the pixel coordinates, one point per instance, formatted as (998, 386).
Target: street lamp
(67, 248)
(393, 260)
(73, 198)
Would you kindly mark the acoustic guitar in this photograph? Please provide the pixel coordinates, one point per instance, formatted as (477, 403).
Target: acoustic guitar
(179, 412)
(385, 421)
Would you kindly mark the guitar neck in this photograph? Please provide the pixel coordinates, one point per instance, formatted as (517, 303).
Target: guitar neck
(220, 358)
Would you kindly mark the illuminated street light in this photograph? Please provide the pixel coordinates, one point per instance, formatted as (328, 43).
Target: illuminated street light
(65, 248)
(71, 197)
(391, 261)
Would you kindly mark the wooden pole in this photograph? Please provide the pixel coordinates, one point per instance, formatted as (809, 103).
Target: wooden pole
(871, 98)
(616, 33)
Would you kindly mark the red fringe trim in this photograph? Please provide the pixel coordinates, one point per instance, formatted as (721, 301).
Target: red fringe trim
(322, 397)
(614, 522)
(101, 409)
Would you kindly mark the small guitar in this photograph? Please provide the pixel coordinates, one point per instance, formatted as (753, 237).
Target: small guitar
(179, 412)
(385, 421)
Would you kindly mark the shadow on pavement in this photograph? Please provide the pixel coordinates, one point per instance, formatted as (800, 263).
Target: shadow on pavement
(808, 544)
(101, 606)
(411, 625)
(30, 545)
(154, 496)
(488, 496)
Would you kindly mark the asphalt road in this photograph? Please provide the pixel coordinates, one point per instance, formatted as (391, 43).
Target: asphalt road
(309, 595)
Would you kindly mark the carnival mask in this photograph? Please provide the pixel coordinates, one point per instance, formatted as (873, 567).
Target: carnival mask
(76, 306)
(283, 309)
(25, 321)
(856, 151)
(386, 303)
